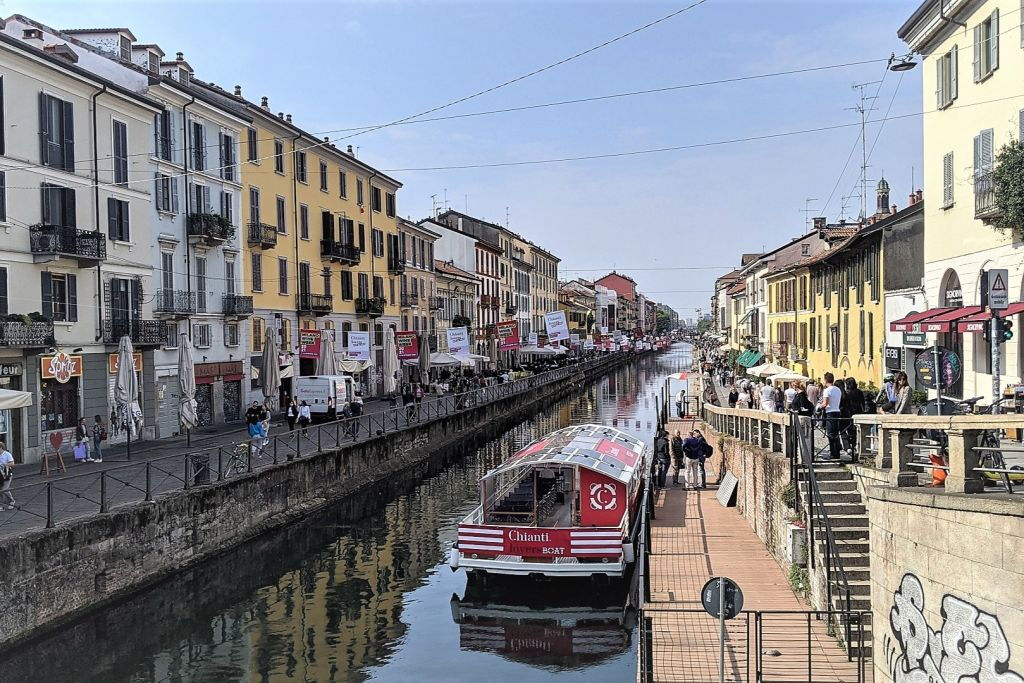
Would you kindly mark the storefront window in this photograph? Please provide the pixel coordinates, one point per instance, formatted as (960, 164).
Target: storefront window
(59, 404)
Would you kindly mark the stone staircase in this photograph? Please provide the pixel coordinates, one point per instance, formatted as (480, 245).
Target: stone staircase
(847, 516)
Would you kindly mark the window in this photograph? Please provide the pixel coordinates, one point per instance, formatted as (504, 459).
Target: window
(257, 272)
(227, 157)
(871, 336)
(198, 143)
(252, 145)
(278, 157)
(257, 335)
(359, 192)
(805, 250)
(227, 207)
(119, 140)
(345, 329)
(58, 205)
(201, 293)
(254, 205)
(846, 332)
(304, 288)
(300, 166)
(362, 238)
(286, 334)
(3, 194)
(59, 404)
(229, 277)
(377, 238)
(327, 281)
(171, 335)
(126, 48)
(986, 47)
(391, 290)
(946, 78)
(282, 275)
(280, 215)
(378, 287)
(163, 135)
(390, 204)
(346, 285)
(861, 337)
(947, 180)
(203, 336)
(342, 184)
(323, 176)
(375, 198)
(230, 334)
(166, 192)
(364, 285)
(154, 62)
(304, 221)
(117, 220)
(57, 132)
(59, 296)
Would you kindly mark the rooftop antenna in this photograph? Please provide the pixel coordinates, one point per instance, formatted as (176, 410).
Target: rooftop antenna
(806, 211)
(433, 204)
(864, 108)
(845, 202)
(467, 202)
(506, 218)
(446, 199)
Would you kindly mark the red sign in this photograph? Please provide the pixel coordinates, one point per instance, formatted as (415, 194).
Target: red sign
(531, 541)
(60, 367)
(309, 343)
(530, 450)
(537, 542)
(112, 362)
(602, 500)
(408, 345)
(618, 451)
(508, 335)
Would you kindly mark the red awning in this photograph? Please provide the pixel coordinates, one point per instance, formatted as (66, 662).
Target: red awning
(943, 322)
(911, 323)
(977, 322)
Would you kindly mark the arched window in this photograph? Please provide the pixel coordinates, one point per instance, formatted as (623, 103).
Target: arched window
(950, 292)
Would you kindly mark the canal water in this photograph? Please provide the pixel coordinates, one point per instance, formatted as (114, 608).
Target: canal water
(362, 591)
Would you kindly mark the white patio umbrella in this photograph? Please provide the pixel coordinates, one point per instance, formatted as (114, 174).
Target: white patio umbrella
(126, 388)
(270, 377)
(11, 399)
(390, 362)
(187, 417)
(788, 376)
(325, 363)
(440, 359)
(766, 370)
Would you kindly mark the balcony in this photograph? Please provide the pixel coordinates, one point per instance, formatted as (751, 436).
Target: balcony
(372, 306)
(434, 303)
(174, 303)
(336, 251)
(26, 334)
(396, 265)
(409, 300)
(141, 332)
(511, 309)
(262, 235)
(317, 304)
(50, 242)
(236, 305)
(486, 300)
(985, 196)
(209, 228)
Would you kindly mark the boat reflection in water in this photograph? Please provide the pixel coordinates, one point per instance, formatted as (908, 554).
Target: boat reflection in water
(553, 627)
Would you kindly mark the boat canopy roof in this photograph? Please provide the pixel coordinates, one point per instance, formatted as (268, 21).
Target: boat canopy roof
(605, 450)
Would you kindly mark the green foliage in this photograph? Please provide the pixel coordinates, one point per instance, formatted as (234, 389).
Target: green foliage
(868, 388)
(590, 322)
(460, 321)
(787, 494)
(799, 581)
(703, 325)
(918, 396)
(1009, 187)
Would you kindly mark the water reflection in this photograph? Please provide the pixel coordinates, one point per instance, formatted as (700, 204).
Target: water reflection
(361, 591)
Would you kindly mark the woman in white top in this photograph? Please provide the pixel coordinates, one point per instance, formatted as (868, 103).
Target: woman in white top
(304, 416)
(6, 477)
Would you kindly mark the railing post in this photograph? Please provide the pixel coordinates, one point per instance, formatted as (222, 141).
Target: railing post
(902, 474)
(275, 449)
(220, 464)
(149, 482)
(319, 440)
(49, 505)
(962, 460)
(248, 457)
(103, 491)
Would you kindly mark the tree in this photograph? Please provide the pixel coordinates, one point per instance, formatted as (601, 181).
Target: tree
(663, 321)
(703, 325)
(460, 321)
(1009, 187)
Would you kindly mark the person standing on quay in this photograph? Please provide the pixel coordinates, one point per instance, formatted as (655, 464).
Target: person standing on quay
(677, 457)
(292, 413)
(831, 400)
(813, 391)
(6, 477)
(681, 402)
(693, 449)
(99, 434)
(768, 398)
(661, 458)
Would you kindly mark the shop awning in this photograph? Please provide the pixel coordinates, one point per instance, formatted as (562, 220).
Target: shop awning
(742, 357)
(977, 322)
(945, 322)
(752, 359)
(746, 316)
(911, 322)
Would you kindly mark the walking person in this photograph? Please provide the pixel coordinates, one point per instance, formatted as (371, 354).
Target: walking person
(693, 451)
(885, 401)
(661, 458)
(706, 451)
(854, 398)
(99, 435)
(790, 394)
(82, 442)
(801, 404)
(831, 398)
(356, 408)
(681, 403)
(332, 410)
(813, 392)
(305, 417)
(408, 402)
(677, 457)
(768, 398)
(734, 396)
(6, 478)
(292, 413)
(418, 394)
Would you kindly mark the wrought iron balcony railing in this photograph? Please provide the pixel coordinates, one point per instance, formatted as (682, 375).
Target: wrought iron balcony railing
(174, 302)
(396, 265)
(210, 227)
(317, 304)
(60, 240)
(262, 235)
(26, 334)
(236, 304)
(370, 306)
(409, 300)
(141, 332)
(337, 251)
(511, 309)
(434, 303)
(985, 196)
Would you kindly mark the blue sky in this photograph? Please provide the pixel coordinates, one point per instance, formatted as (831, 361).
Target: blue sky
(341, 64)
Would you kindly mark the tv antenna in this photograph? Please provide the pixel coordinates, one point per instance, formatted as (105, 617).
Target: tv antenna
(807, 211)
(864, 108)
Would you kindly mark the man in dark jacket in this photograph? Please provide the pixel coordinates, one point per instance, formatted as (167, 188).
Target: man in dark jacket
(677, 457)
(661, 458)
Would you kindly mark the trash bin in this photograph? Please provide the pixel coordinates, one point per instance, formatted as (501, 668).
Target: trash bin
(200, 469)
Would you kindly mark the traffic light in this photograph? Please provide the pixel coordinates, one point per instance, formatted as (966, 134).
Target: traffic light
(1005, 330)
(986, 331)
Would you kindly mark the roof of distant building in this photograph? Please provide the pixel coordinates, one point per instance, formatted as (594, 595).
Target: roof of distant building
(72, 31)
(450, 268)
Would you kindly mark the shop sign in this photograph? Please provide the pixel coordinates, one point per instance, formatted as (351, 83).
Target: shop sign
(11, 370)
(408, 345)
(112, 362)
(949, 367)
(60, 367)
(536, 542)
(309, 343)
(508, 335)
(218, 369)
(894, 357)
(915, 338)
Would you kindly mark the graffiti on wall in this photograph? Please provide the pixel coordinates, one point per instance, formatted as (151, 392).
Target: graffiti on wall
(969, 647)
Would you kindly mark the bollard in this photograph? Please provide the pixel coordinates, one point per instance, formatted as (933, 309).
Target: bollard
(149, 483)
(248, 457)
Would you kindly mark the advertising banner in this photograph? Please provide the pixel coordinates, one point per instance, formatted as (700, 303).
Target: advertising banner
(508, 335)
(309, 343)
(556, 326)
(574, 340)
(604, 329)
(113, 361)
(531, 339)
(60, 367)
(458, 341)
(588, 343)
(408, 345)
(359, 345)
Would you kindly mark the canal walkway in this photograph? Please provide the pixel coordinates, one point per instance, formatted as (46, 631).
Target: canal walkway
(693, 538)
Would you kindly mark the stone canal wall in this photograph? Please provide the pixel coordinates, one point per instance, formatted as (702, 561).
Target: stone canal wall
(52, 575)
(947, 585)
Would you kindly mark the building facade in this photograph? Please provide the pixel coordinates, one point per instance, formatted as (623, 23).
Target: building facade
(419, 297)
(457, 290)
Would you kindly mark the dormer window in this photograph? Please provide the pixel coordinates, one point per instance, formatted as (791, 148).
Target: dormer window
(183, 77)
(32, 34)
(126, 48)
(154, 62)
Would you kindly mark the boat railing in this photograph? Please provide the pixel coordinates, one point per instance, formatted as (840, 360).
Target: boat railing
(506, 489)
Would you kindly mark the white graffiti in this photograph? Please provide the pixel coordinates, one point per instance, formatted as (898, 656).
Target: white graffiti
(969, 648)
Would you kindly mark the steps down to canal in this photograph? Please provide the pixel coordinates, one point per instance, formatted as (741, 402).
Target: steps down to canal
(848, 519)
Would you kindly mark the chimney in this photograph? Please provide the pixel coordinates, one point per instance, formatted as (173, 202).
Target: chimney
(350, 150)
(920, 195)
(913, 199)
(280, 115)
(820, 222)
(327, 139)
(288, 118)
(181, 56)
(238, 91)
(265, 103)
(892, 209)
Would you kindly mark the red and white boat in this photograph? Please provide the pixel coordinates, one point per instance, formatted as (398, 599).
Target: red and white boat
(566, 505)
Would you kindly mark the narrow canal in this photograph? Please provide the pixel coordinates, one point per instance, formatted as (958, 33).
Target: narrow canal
(362, 591)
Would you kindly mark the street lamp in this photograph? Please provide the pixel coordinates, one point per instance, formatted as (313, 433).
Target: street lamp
(903, 63)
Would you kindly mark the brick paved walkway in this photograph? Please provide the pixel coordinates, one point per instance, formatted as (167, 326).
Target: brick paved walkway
(694, 538)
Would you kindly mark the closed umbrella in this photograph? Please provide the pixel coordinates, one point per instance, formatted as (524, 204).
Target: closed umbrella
(186, 387)
(424, 357)
(270, 378)
(126, 388)
(390, 363)
(325, 363)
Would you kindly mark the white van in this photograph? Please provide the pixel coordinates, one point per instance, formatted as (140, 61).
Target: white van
(316, 389)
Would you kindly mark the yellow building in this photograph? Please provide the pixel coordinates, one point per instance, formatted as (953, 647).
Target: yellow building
(789, 317)
(321, 240)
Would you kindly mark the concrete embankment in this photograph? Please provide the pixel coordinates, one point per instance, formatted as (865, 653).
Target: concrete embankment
(53, 575)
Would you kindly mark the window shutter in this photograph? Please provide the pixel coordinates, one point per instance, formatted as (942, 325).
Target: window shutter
(173, 182)
(72, 298)
(993, 42)
(68, 144)
(3, 291)
(158, 126)
(136, 291)
(47, 294)
(223, 154)
(954, 88)
(172, 134)
(987, 150)
(112, 231)
(69, 208)
(206, 199)
(947, 179)
(158, 192)
(44, 128)
(977, 155)
(977, 53)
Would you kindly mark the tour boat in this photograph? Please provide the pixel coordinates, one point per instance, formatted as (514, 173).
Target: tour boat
(566, 505)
